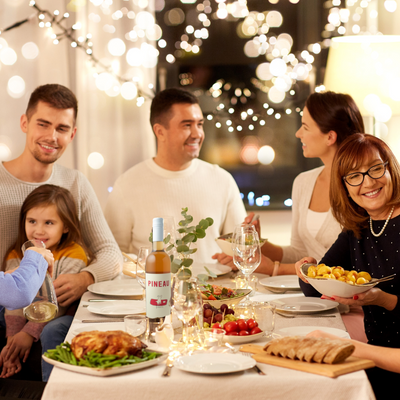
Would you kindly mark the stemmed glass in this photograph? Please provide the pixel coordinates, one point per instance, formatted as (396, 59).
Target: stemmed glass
(141, 266)
(187, 305)
(169, 234)
(44, 306)
(246, 251)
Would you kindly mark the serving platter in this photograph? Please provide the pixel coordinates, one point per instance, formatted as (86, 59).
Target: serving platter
(103, 327)
(107, 372)
(214, 363)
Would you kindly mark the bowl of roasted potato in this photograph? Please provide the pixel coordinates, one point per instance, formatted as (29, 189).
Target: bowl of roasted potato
(336, 281)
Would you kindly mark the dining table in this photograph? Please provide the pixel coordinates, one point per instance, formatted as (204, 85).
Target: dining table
(277, 383)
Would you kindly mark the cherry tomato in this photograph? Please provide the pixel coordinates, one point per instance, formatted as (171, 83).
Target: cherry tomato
(231, 326)
(251, 323)
(244, 333)
(216, 326)
(255, 330)
(242, 324)
(233, 333)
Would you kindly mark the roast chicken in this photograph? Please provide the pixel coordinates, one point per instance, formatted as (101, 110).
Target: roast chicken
(118, 343)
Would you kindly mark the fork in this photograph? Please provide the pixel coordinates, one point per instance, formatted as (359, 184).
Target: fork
(256, 368)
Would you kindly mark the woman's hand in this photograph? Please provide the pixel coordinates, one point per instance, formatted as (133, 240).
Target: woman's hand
(298, 265)
(256, 223)
(223, 258)
(19, 346)
(372, 297)
(48, 256)
(10, 368)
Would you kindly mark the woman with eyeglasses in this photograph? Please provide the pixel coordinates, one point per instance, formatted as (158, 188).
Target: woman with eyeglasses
(365, 199)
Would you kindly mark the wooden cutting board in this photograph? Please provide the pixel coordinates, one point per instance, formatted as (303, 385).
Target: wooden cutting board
(351, 364)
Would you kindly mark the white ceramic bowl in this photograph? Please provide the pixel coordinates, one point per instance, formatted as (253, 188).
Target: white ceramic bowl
(243, 339)
(226, 245)
(331, 287)
(229, 302)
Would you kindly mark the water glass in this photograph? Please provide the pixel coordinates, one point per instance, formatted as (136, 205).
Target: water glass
(169, 234)
(264, 314)
(44, 306)
(137, 325)
(214, 337)
(141, 265)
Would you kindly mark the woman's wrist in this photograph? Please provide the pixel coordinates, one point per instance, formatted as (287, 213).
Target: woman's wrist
(388, 301)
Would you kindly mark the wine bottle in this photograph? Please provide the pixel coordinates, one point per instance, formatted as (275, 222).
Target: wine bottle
(158, 280)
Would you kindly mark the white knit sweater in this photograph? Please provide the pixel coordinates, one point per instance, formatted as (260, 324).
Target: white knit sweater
(95, 231)
(302, 243)
(146, 191)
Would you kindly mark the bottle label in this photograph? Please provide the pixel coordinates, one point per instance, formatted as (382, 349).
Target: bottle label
(158, 295)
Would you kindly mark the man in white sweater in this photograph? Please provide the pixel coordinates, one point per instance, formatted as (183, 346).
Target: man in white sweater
(173, 179)
(49, 124)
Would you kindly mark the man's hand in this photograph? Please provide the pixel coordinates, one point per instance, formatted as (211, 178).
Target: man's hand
(48, 256)
(225, 259)
(70, 287)
(19, 347)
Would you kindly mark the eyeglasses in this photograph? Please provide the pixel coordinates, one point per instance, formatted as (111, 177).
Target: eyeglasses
(375, 172)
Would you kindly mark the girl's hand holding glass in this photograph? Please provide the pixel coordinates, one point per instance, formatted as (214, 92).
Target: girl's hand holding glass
(48, 256)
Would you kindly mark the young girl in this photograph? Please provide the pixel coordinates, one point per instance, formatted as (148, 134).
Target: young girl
(48, 214)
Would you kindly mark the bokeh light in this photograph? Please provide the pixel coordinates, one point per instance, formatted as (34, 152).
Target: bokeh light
(16, 87)
(116, 47)
(266, 155)
(95, 160)
(30, 50)
(128, 90)
(8, 56)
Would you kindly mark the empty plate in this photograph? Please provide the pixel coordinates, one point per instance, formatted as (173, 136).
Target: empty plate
(281, 282)
(304, 305)
(119, 287)
(118, 308)
(217, 363)
(305, 330)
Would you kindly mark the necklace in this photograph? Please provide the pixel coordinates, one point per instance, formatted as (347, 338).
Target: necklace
(384, 226)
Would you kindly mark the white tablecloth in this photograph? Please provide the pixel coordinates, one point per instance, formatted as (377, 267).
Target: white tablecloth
(278, 383)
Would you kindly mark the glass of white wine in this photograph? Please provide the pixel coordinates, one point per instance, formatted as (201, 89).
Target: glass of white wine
(141, 266)
(44, 306)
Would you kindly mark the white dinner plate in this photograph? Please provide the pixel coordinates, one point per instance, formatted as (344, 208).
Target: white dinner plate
(109, 371)
(214, 363)
(103, 327)
(284, 282)
(118, 308)
(218, 269)
(118, 287)
(304, 305)
(242, 339)
(304, 330)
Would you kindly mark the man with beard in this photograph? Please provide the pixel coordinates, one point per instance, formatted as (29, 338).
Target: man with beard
(173, 179)
(49, 125)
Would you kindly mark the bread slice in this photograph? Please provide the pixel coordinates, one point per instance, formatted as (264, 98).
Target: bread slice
(339, 353)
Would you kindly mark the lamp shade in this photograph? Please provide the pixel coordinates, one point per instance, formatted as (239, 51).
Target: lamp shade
(368, 69)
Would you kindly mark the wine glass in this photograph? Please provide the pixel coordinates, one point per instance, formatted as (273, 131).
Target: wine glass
(187, 305)
(169, 234)
(246, 251)
(141, 265)
(44, 306)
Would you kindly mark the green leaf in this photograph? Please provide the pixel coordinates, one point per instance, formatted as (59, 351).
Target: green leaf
(187, 262)
(200, 233)
(210, 273)
(184, 274)
(190, 229)
(182, 248)
(210, 221)
(202, 278)
(203, 224)
(177, 261)
(179, 242)
(151, 237)
(175, 268)
(184, 210)
(171, 257)
(183, 223)
(182, 230)
(170, 247)
(188, 219)
(188, 238)
(188, 252)
(167, 239)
